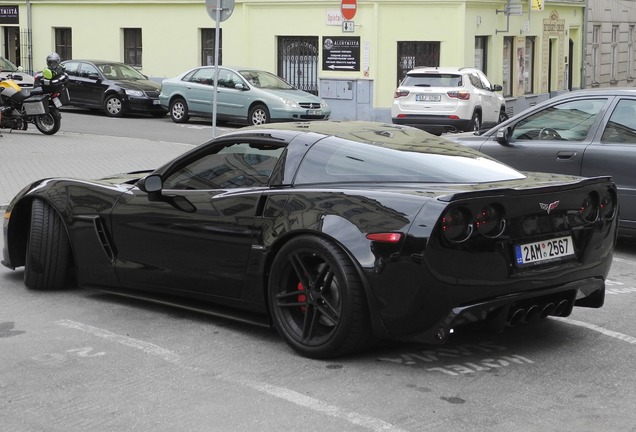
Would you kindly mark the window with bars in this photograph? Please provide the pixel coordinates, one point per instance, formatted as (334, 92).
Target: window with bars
(507, 66)
(614, 57)
(64, 42)
(529, 65)
(208, 37)
(132, 46)
(596, 67)
(412, 54)
(298, 62)
(630, 52)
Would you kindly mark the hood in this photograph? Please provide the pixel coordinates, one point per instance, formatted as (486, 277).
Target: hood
(293, 94)
(20, 78)
(125, 178)
(144, 85)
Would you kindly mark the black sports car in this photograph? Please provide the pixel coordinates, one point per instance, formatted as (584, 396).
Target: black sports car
(337, 234)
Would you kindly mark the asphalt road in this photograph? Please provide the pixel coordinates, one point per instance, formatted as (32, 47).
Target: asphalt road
(80, 360)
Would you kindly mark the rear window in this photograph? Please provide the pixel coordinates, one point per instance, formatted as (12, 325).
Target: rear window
(343, 161)
(432, 80)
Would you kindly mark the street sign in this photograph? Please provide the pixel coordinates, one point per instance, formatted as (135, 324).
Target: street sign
(348, 8)
(348, 27)
(219, 9)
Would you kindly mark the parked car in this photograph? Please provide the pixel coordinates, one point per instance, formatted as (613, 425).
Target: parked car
(116, 88)
(337, 233)
(445, 99)
(244, 95)
(585, 133)
(10, 71)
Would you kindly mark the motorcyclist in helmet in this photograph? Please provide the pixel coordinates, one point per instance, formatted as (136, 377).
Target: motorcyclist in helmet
(53, 67)
(53, 75)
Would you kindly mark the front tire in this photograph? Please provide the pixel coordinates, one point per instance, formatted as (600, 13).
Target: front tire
(258, 115)
(49, 123)
(179, 111)
(48, 249)
(113, 106)
(316, 299)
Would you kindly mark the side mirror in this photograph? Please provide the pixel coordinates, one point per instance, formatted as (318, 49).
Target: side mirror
(20, 69)
(503, 135)
(151, 184)
(497, 87)
(93, 76)
(240, 86)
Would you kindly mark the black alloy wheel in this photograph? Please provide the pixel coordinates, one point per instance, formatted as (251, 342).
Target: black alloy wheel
(48, 249)
(316, 299)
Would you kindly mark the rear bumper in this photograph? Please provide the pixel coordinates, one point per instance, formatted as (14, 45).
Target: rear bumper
(435, 124)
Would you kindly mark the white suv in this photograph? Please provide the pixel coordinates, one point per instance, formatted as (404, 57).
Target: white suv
(445, 99)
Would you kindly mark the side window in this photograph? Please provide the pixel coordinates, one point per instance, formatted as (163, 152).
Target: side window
(569, 121)
(621, 127)
(484, 81)
(228, 79)
(203, 76)
(475, 81)
(238, 165)
(72, 68)
(87, 69)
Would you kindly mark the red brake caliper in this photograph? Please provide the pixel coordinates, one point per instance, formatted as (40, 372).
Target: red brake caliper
(302, 298)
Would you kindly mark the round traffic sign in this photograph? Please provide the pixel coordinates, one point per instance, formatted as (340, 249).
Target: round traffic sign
(348, 8)
(219, 8)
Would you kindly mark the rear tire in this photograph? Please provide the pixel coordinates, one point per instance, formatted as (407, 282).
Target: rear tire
(49, 123)
(503, 116)
(179, 111)
(48, 249)
(475, 122)
(316, 299)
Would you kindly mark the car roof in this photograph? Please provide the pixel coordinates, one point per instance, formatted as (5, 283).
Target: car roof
(431, 69)
(93, 61)
(598, 91)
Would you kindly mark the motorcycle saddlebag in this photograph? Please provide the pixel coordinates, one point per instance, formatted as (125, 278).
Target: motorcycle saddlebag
(36, 105)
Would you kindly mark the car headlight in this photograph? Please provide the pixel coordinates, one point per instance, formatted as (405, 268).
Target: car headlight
(137, 93)
(323, 104)
(290, 103)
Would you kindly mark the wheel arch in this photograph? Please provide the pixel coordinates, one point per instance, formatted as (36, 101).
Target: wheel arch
(19, 226)
(374, 310)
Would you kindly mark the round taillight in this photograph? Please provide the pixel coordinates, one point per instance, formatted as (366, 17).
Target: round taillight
(607, 204)
(489, 221)
(588, 209)
(456, 225)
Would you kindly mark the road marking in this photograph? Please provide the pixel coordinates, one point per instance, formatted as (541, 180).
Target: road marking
(606, 332)
(294, 397)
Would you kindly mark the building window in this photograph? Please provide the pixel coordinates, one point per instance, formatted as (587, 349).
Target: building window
(630, 52)
(507, 66)
(64, 43)
(614, 58)
(298, 62)
(529, 65)
(596, 55)
(414, 53)
(207, 46)
(481, 53)
(132, 46)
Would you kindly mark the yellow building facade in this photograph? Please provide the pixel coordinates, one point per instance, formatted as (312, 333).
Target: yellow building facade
(354, 63)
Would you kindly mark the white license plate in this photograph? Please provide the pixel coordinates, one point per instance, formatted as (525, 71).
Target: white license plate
(57, 102)
(156, 102)
(314, 112)
(544, 251)
(428, 97)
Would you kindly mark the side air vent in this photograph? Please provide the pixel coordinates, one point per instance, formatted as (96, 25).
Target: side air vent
(103, 238)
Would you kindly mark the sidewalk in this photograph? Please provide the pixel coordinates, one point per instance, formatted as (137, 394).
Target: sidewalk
(26, 156)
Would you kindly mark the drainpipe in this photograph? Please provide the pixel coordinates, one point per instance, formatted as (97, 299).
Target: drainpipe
(584, 47)
(29, 43)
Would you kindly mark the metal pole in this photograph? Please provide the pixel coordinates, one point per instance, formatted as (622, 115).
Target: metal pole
(216, 66)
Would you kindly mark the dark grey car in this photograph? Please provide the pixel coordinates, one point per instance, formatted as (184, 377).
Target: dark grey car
(585, 132)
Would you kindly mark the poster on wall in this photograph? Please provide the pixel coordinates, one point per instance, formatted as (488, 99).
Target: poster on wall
(341, 53)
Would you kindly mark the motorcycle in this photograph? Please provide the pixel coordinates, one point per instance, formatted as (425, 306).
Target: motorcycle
(40, 107)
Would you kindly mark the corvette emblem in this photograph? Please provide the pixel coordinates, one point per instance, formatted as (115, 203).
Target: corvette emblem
(549, 207)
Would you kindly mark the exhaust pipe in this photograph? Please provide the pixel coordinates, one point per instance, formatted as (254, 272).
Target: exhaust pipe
(531, 314)
(547, 310)
(516, 317)
(561, 308)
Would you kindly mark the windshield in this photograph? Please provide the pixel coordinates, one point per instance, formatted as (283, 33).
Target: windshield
(265, 80)
(120, 71)
(7, 66)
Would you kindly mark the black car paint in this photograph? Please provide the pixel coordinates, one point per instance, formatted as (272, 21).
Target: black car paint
(125, 241)
(92, 91)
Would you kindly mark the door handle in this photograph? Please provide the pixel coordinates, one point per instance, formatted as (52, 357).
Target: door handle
(565, 155)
